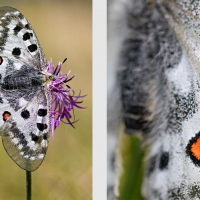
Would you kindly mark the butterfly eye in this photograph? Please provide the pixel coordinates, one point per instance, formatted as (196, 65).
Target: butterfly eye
(52, 78)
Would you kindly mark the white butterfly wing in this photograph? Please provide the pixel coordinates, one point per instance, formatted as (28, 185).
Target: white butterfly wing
(18, 39)
(25, 104)
(25, 134)
(183, 16)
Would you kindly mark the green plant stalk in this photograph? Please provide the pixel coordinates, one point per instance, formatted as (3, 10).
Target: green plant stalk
(28, 185)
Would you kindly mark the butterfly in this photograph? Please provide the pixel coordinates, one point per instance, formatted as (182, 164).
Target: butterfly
(155, 70)
(33, 99)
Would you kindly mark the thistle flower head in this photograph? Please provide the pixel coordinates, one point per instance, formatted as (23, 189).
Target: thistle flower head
(64, 99)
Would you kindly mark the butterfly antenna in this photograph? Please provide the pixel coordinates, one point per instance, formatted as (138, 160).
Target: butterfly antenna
(64, 60)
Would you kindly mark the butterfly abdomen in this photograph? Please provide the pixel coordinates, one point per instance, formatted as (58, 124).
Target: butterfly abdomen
(16, 83)
(23, 79)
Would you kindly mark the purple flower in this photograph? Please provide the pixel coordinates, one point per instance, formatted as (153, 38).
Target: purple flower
(63, 97)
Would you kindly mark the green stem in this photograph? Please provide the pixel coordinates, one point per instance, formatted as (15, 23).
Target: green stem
(28, 185)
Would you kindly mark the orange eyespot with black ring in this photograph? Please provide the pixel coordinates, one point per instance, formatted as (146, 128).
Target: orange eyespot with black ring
(1, 60)
(193, 149)
(6, 115)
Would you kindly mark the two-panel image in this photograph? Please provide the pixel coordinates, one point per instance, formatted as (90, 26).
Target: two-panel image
(153, 95)
(153, 100)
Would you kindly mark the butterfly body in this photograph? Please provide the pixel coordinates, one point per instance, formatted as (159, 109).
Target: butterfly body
(157, 71)
(25, 97)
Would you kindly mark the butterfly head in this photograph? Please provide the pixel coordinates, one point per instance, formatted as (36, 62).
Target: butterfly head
(52, 78)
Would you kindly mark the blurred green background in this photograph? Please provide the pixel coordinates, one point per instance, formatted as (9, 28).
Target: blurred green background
(131, 179)
(64, 29)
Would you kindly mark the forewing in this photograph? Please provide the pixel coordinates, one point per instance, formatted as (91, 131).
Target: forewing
(18, 39)
(183, 16)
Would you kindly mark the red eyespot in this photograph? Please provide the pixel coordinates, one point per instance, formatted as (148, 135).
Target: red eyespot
(195, 149)
(1, 60)
(6, 115)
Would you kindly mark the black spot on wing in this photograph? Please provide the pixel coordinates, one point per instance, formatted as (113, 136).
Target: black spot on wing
(1, 100)
(26, 36)
(32, 47)
(25, 114)
(45, 136)
(41, 126)
(27, 26)
(164, 160)
(16, 51)
(34, 137)
(42, 112)
(17, 29)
